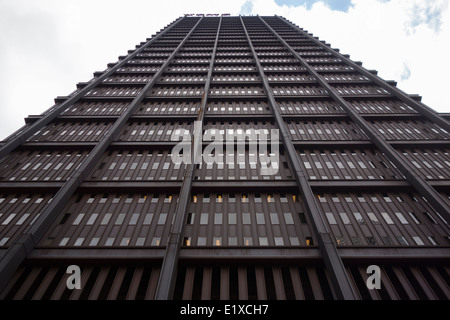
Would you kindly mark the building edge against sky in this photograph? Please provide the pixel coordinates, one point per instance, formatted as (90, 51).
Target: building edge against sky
(362, 179)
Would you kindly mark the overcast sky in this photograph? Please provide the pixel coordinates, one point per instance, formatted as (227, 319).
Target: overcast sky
(48, 46)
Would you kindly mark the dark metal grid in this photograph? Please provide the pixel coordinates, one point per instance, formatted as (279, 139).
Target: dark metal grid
(418, 182)
(18, 251)
(167, 278)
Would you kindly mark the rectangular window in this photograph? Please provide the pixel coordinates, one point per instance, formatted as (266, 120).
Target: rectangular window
(373, 218)
(401, 218)
(162, 218)
(204, 218)
(263, 241)
(201, 241)
(330, 217)
(246, 218)
(134, 219)
(190, 218)
(217, 241)
(340, 240)
(418, 241)
(274, 218)
(232, 241)
(106, 219)
(371, 240)
(359, 218)
(148, 219)
(387, 218)
(218, 218)
(120, 219)
(260, 218)
(92, 219)
(156, 241)
(288, 218)
(232, 218)
(402, 241)
(78, 219)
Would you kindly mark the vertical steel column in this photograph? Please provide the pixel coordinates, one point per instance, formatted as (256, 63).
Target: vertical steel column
(20, 249)
(423, 109)
(421, 185)
(56, 111)
(167, 277)
(339, 277)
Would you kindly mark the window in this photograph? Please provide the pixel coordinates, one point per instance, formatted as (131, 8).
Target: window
(125, 241)
(387, 218)
(78, 219)
(134, 219)
(232, 241)
(401, 218)
(340, 240)
(204, 218)
(148, 219)
(309, 241)
(402, 241)
(94, 241)
(92, 219)
(3, 241)
(162, 218)
(218, 218)
(8, 220)
(106, 219)
(294, 241)
(201, 241)
(155, 241)
(232, 218)
(64, 242)
(288, 218)
(186, 241)
(356, 241)
(359, 218)
(140, 241)
(371, 240)
(279, 241)
(373, 218)
(260, 218)
(274, 218)
(263, 241)
(330, 217)
(246, 218)
(120, 219)
(190, 218)
(418, 241)
(217, 241)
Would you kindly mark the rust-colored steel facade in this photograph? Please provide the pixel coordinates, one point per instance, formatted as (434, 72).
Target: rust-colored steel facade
(363, 177)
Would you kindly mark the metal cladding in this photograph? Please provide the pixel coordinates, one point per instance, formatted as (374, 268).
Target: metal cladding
(299, 170)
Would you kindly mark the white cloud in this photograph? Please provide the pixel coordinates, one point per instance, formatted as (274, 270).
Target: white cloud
(49, 45)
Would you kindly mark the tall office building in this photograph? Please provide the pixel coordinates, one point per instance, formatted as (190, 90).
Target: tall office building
(333, 170)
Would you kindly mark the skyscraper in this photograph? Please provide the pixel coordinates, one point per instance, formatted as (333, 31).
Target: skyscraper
(228, 158)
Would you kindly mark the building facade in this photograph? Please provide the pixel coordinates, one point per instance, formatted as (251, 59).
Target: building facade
(359, 176)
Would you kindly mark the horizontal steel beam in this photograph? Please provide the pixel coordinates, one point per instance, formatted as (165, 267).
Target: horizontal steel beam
(373, 253)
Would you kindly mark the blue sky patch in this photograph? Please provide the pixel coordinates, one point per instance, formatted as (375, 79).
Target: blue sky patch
(246, 8)
(338, 5)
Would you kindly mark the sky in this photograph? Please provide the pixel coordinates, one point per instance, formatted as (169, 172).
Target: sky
(48, 46)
